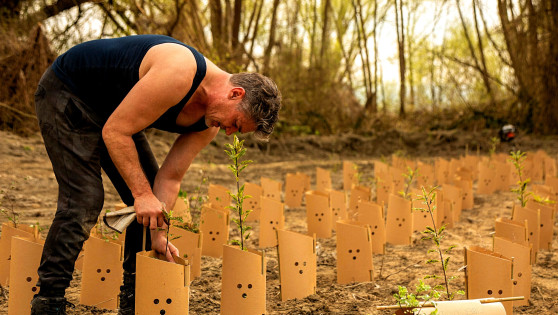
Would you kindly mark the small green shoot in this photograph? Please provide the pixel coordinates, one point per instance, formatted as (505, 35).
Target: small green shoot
(236, 152)
(518, 158)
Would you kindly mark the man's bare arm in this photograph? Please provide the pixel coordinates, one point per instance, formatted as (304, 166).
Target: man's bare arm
(163, 85)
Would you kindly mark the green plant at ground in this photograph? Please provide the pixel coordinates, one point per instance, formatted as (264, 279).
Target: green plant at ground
(409, 177)
(518, 158)
(425, 293)
(7, 204)
(494, 142)
(169, 219)
(236, 152)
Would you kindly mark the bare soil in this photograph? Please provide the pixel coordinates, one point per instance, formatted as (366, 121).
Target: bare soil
(25, 166)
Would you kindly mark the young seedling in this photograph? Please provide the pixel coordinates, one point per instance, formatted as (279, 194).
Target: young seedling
(517, 158)
(409, 177)
(7, 205)
(494, 142)
(236, 152)
(195, 201)
(425, 293)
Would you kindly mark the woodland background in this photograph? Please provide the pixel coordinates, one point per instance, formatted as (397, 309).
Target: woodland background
(488, 63)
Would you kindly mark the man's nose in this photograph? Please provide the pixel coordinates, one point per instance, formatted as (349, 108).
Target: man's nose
(230, 130)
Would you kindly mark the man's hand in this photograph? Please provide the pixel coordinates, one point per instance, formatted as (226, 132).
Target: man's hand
(159, 244)
(149, 211)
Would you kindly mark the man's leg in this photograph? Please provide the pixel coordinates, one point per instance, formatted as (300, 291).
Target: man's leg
(134, 232)
(72, 142)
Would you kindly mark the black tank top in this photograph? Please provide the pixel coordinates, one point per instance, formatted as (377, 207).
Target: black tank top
(102, 72)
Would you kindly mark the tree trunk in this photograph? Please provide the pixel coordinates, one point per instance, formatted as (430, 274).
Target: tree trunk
(400, 27)
(271, 41)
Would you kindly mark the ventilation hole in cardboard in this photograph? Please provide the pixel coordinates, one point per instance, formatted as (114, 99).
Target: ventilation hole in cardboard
(372, 233)
(210, 232)
(403, 219)
(217, 233)
(300, 271)
(239, 285)
(34, 289)
(425, 215)
(296, 263)
(169, 301)
(531, 233)
(375, 226)
(500, 292)
(249, 286)
(354, 257)
(515, 283)
(213, 238)
(156, 301)
(541, 225)
(399, 224)
(519, 274)
(98, 270)
(244, 295)
(102, 278)
(316, 214)
(28, 279)
(319, 219)
(350, 251)
(270, 222)
(277, 222)
(162, 312)
(108, 270)
(489, 292)
(396, 219)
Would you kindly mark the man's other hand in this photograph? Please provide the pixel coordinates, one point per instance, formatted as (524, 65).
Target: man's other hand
(149, 211)
(159, 244)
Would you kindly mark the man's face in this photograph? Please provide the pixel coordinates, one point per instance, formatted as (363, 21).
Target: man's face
(231, 121)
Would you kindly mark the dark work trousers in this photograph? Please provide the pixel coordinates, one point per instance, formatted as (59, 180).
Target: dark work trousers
(77, 152)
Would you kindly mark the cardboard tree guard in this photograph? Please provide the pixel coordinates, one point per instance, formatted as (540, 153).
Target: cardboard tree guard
(297, 264)
(350, 175)
(253, 203)
(318, 214)
(488, 275)
(271, 219)
(546, 223)
(214, 225)
(338, 205)
(454, 195)
(189, 245)
(323, 179)
(25, 259)
(243, 288)
(162, 287)
(271, 188)
(354, 253)
(218, 197)
(102, 273)
(425, 176)
(552, 181)
(533, 218)
(550, 167)
(358, 193)
(8, 231)
(384, 188)
(521, 256)
(486, 184)
(511, 230)
(399, 221)
(397, 178)
(372, 214)
(502, 179)
(468, 199)
(295, 185)
(442, 171)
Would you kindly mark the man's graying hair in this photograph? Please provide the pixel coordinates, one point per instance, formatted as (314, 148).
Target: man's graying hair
(261, 102)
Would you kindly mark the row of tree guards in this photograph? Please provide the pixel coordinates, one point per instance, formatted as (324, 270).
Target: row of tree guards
(362, 229)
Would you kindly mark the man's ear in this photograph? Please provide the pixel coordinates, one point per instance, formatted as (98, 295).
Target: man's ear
(236, 93)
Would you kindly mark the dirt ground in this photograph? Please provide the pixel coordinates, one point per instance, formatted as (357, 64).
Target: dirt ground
(25, 166)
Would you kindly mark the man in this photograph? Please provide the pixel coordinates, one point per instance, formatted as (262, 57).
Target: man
(93, 105)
